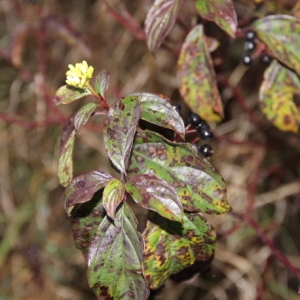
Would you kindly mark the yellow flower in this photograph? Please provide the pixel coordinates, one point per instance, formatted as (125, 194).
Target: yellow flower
(80, 75)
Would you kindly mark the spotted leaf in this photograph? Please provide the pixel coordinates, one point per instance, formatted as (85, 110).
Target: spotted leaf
(83, 187)
(197, 79)
(172, 246)
(198, 185)
(153, 193)
(276, 97)
(115, 258)
(119, 129)
(157, 110)
(86, 218)
(219, 11)
(281, 35)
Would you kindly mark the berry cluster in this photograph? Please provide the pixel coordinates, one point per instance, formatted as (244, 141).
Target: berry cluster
(250, 46)
(204, 131)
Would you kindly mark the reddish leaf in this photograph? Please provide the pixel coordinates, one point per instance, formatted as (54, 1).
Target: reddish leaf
(119, 129)
(276, 97)
(156, 194)
(65, 163)
(160, 20)
(102, 82)
(197, 79)
(281, 35)
(113, 195)
(85, 222)
(157, 110)
(83, 187)
(67, 94)
(83, 115)
(219, 11)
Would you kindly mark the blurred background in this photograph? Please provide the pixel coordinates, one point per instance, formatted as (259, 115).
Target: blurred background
(261, 165)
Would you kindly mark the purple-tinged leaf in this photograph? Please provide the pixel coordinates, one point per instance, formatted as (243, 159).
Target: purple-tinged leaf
(198, 185)
(172, 246)
(119, 130)
(83, 187)
(155, 194)
(157, 110)
(160, 20)
(113, 195)
(102, 82)
(67, 94)
(276, 97)
(65, 163)
(85, 222)
(197, 79)
(83, 115)
(221, 12)
(115, 259)
(281, 35)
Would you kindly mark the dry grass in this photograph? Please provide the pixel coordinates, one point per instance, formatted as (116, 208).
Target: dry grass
(38, 259)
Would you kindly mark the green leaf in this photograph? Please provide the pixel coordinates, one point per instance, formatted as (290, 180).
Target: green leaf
(219, 11)
(119, 130)
(65, 163)
(160, 20)
(85, 222)
(102, 82)
(67, 94)
(115, 258)
(276, 97)
(172, 246)
(156, 194)
(197, 79)
(83, 115)
(157, 110)
(83, 187)
(112, 196)
(281, 35)
(198, 185)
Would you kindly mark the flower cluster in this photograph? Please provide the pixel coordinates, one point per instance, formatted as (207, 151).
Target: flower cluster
(79, 75)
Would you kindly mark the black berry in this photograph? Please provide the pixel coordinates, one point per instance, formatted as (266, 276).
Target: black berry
(203, 125)
(247, 60)
(250, 35)
(250, 46)
(206, 150)
(265, 59)
(177, 107)
(194, 119)
(205, 133)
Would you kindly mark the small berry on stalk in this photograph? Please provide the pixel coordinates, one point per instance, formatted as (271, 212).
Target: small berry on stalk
(265, 59)
(247, 60)
(206, 150)
(205, 133)
(177, 107)
(194, 119)
(250, 35)
(250, 46)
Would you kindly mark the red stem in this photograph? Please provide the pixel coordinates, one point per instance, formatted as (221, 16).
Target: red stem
(280, 256)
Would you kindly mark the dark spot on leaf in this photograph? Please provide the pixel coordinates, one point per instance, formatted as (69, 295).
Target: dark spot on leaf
(287, 119)
(121, 106)
(81, 183)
